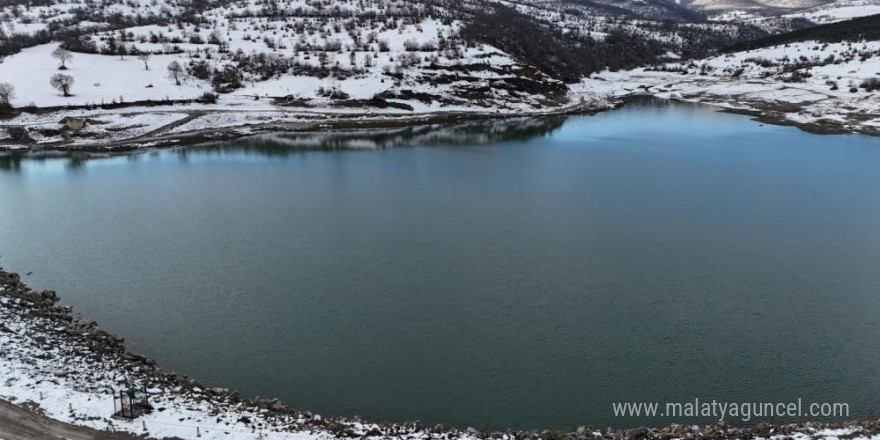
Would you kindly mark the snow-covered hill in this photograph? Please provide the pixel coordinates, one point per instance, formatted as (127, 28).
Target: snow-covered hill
(824, 87)
(140, 71)
(309, 53)
(766, 6)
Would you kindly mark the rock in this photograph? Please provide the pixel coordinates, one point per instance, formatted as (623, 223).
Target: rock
(50, 295)
(638, 433)
(472, 430)
(217, 391)
(763, 430)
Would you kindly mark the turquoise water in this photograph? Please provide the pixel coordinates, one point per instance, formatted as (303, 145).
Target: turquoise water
(519, 274)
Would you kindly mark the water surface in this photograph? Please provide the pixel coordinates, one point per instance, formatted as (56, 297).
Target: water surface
(522, 274)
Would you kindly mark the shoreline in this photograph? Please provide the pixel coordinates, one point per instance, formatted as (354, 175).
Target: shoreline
(281, 121)
(67, 368)
(164, 137)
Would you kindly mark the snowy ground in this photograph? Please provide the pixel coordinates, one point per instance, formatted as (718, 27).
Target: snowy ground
(839, 11)
(98, 79)
(813, 85)
(101, 79)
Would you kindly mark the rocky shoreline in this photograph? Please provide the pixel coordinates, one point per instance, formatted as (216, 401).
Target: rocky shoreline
(42, 338)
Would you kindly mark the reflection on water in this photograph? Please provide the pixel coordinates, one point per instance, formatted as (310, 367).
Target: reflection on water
(483, 131)
(470, 133)
(13, 160)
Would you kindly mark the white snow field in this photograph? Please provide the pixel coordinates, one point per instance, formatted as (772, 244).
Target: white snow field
(803, 83)
(839, 11)
(98, 79)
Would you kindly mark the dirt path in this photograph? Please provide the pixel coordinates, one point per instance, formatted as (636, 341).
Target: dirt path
(190, 115)
(17, 423)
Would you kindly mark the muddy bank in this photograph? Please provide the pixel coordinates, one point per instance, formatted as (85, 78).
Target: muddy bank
(75, 353)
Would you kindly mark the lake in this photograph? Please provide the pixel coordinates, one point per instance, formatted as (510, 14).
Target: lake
(517, 273)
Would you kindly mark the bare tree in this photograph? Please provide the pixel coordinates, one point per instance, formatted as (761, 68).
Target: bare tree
(145, 57)
(175, 71)
(7, 94)
(61, 82)
(62, 55)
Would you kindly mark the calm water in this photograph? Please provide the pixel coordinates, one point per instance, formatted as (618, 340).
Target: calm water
(494, 275)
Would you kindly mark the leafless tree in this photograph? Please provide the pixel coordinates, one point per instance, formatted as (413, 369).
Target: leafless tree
(175, 71)
(62, 82)
(62, 55)
(145, 57)
(7, 94)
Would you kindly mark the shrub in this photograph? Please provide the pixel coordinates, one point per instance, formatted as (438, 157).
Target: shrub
(871, 84)
(200, 70)
(208, 98)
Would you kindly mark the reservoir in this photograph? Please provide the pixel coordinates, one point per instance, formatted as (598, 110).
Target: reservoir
(514, 273)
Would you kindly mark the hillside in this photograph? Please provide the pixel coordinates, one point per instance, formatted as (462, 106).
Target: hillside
(147, 71)
(338, 54)
(857, 29)
(764, 6)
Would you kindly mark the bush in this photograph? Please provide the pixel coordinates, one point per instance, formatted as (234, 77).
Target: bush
(871, 84)
(226, 80)
(208, 98)
(200, 70)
